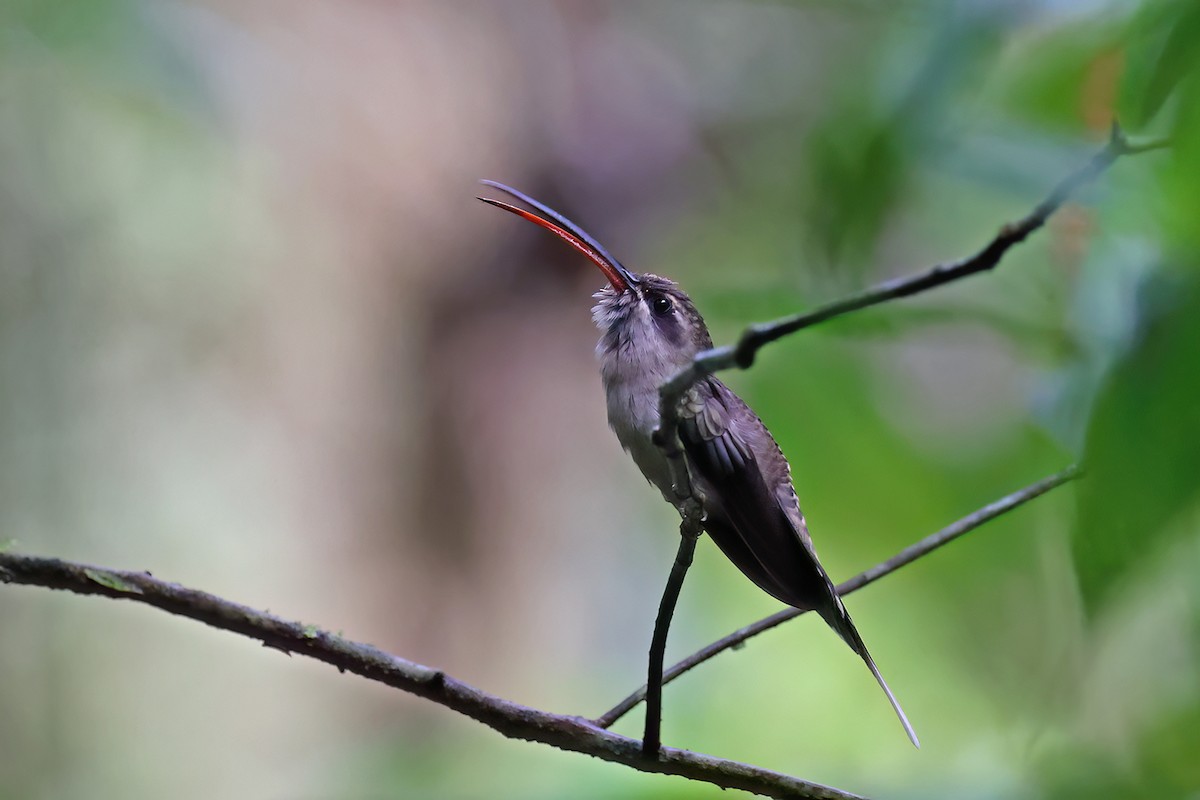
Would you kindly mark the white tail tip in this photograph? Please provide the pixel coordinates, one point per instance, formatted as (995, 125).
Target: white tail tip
(908, 728)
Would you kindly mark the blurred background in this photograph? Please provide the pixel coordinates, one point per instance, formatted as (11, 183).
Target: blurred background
(257, 336)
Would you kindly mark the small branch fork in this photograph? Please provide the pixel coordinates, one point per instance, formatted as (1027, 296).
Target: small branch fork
(755, 337)
(573, 733)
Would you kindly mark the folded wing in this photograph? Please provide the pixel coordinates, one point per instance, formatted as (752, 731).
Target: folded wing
(753, 514)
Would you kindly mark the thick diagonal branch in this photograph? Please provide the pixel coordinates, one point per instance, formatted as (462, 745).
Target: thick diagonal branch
(906, 556)
(509, 719)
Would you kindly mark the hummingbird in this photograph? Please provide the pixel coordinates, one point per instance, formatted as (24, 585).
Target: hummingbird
(649, 331)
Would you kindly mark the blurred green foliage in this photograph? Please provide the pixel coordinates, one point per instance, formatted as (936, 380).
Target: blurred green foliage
(1119, 349)
(1052, 654)
(1165, 57)
(1143, 479)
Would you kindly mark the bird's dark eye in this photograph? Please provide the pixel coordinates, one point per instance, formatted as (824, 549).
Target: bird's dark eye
(662, 306)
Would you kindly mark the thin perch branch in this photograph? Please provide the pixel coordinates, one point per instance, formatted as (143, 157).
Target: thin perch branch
(514, 721)
(689, 531)
(906, 556)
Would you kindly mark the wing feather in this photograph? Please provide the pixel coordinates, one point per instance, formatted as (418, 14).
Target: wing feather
(755, 518)
(745, 516)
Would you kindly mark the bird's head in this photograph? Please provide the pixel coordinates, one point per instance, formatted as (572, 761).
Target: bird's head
(649, 327)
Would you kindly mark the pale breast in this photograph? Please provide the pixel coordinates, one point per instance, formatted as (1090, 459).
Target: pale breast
(633, 416)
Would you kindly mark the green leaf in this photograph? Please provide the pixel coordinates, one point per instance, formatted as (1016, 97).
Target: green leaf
(7, 545)
(1141, 455)
(111, 581)
(1180, 55)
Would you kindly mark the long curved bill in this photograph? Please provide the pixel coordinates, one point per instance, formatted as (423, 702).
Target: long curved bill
(620, 278)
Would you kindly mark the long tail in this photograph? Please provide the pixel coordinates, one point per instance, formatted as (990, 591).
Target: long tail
(839, 619)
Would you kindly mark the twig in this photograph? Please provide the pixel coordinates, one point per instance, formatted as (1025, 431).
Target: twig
(689, 531)
(514, 721)
(906, 556)
(753, 338)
